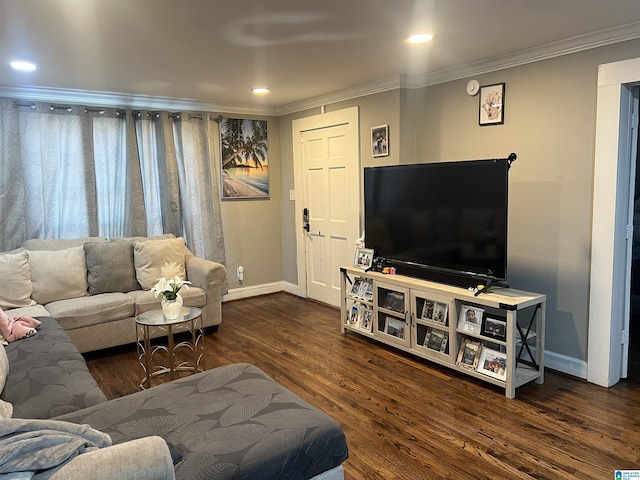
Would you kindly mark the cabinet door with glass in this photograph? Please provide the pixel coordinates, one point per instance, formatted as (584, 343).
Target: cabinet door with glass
(432, 326)
(391, 312)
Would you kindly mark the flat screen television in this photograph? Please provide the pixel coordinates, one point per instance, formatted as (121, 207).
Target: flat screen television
(445, 222)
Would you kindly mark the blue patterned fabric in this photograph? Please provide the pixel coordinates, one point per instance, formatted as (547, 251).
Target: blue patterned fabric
(233, 422)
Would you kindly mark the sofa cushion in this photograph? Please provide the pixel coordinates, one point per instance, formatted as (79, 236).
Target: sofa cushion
(16, 280)
(57, 275)
(32, 311)
(93, 310)
(110, 267)
(145, 300)
(151, 255)
(48, 376)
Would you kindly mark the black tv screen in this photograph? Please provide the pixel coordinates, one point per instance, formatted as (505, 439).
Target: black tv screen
(448, 217)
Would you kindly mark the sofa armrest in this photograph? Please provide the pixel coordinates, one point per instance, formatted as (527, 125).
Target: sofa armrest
(145, 458)
(209, 276)
(205, 273)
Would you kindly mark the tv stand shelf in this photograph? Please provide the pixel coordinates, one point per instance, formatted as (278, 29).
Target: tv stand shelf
(497, 337)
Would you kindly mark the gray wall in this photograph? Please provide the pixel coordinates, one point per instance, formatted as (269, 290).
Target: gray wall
(550, 124)
(252, 228)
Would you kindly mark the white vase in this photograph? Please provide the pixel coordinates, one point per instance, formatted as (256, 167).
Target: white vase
(172, 309)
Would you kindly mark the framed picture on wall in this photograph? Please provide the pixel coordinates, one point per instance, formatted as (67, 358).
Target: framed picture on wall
(380, 141)
(491, 109)
(245, 159)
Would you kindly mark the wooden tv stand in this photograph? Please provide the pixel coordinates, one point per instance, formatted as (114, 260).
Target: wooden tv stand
(504, 346)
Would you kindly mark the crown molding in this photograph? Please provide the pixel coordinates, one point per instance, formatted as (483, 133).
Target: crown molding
(531, 55)
(370, 88)
(576, 44)
(124, 100)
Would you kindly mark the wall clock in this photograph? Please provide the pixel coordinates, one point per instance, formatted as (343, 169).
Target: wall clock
(473, 87)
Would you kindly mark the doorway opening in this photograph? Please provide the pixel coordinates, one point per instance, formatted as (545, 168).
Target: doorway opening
(633, 370)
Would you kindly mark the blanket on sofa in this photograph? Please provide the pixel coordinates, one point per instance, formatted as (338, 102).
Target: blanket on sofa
(17, 328)
(29, 446)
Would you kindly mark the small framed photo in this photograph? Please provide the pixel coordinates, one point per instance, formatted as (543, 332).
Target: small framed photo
(470, 320)
(366, 319)
(364, 258)
(435, 311)
(395, 328)
(380, 141)
(436, 339)
(493, 364)
(469, 353)
(494, 327)
(491, 111)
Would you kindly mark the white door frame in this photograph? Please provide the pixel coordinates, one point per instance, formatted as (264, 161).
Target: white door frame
(609, 260)
(348, 116)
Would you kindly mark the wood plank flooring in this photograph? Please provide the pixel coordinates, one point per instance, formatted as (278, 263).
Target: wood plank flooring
(406, 418)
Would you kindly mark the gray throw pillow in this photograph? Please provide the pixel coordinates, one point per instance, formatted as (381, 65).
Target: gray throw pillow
(110, 267)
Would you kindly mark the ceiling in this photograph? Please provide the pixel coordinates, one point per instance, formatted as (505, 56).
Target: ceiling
(212, 52)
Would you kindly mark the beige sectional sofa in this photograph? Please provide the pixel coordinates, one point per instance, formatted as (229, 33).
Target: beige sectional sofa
(95, 287)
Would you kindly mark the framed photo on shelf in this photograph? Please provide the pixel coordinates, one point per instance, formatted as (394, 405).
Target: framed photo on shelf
(393, 301)
(494, 327)
(428, 309)
(493, 364)
(355, 287)
(440, 313)
(364, 258)
(354, 314)
(491, 111)
(469, 353)
(470, 320)
(394, 327)
(366, 319)
(380, 141)
(436, 339)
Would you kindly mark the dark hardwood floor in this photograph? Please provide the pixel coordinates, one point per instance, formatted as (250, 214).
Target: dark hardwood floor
(406, 418)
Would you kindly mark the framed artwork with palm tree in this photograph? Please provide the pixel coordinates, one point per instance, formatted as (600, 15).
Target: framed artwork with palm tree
(245, 158)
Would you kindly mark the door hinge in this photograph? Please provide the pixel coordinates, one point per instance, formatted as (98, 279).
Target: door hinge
(634, 120)
(629, 233)
(625, 337)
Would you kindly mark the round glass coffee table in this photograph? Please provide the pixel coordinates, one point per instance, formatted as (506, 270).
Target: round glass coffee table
(169, 346)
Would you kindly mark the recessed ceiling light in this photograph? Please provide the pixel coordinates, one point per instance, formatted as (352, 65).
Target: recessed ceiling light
(260, 91)
(420, 38)
(23, 66)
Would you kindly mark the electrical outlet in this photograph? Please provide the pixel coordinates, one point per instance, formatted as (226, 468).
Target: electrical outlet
(240, 273)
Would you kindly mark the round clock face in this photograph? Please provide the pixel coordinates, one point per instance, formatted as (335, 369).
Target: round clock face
(473, 87)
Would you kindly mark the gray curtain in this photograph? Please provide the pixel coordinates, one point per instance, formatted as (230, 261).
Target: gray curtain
(72, 171)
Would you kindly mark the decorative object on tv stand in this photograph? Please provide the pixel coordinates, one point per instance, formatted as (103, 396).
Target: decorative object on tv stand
(364, 258)
(167, 288)
(380, 141)
(491, 110)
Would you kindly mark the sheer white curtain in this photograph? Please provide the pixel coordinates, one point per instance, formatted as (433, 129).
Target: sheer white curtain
(45, 163)
(111, 172)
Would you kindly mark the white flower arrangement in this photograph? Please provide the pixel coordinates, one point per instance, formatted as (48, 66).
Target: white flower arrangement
(169, 284)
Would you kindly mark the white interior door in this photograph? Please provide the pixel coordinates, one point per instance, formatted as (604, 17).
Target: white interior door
(329, 182)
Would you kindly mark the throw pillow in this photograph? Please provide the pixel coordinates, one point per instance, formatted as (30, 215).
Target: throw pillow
(4, 367)
(58, 274)
(16, 280)
(110, 267)
(151, 255)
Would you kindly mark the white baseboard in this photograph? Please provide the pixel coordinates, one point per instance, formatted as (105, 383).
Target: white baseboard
(264, 289)
(565, 364)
